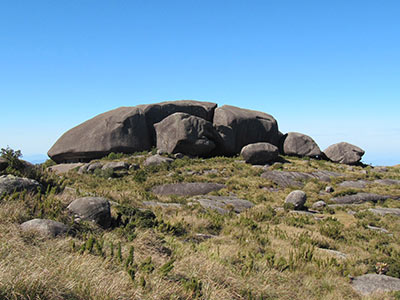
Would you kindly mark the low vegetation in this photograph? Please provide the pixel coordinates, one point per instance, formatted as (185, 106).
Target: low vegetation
(267, 252)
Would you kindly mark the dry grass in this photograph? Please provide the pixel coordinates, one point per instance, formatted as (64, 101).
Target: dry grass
(260, 254)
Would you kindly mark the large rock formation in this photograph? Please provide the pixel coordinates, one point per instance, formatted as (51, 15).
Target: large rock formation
(344, 153)
(239, 127)
(187, 134)
(300, 145)
(155, 113)
(120, 130)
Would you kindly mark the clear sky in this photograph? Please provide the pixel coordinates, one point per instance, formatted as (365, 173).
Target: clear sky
(329, 69)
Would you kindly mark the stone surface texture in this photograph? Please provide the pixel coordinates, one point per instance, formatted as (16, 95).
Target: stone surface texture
(344, 153)
(299, 144)
(259, 153)
(45, 227)
(95, 209)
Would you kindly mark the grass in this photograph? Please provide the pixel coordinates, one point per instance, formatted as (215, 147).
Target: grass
(263, 253)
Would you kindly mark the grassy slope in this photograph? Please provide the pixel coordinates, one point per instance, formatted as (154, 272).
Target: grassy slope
(260, 254)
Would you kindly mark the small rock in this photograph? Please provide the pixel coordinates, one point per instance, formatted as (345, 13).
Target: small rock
(179, 155)
(371, 283)
(116, 166)
(134, 167)
(92, 167)
(297, 198)
(383, 230)
(329, 189)
(319, 205)
(157, 160)
(64, 168)
(161, 152)
(45, 227)
(95, 209)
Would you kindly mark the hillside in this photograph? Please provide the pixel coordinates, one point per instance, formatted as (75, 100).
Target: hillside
(160, 246)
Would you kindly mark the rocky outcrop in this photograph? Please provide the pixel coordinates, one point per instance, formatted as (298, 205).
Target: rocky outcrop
(187, 188)
(10, 184)
(259, 153)
(155, 113)
(383, 211)
(344, 153)
(95, 209)
(45, 227)
(224, 204)
(358, 184)
(372, 283)
(64, 168)
(297, 199)
(157, 160)
(116, 166)
(299, 144)
(120, 130)
(239, 127)
(187, 134)
(297, 179)
(360, 198)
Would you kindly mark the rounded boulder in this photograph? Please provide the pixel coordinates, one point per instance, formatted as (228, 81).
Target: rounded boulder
(96, 209)
(259, 153)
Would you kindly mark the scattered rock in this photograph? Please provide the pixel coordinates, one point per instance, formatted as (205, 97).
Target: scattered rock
(64, 168)
(329, 189)
(157, 160)
(385, 211)
(344, 153)
(134, 167)
(116, 166)
(259, 153)
(372, 283)
(183, 133)
(224, 204)
(319, 205)
(10, 184)
(297, 199)
(296, 179)
(45, 227)
(358, 184)
(94, 166)
(187, 188)
(239, 127)
(120, 130)
(381, 169)
(387, 181)
(179, 155)
(359, 198)
(383, 230)
(95, 209)
(161, 204)
(3, 163)
(299, 144)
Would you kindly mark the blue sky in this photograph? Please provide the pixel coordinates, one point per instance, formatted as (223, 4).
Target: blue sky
(330, 69)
